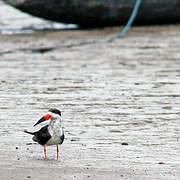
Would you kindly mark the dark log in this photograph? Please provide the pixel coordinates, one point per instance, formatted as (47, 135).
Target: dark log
(98, 13)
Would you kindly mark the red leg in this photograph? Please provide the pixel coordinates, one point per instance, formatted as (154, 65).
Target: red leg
(57, 152)
(45, 151)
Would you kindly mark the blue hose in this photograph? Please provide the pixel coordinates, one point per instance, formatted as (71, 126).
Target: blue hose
(129, 23)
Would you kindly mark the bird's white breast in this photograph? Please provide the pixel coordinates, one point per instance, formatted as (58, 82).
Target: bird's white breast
(56, 132)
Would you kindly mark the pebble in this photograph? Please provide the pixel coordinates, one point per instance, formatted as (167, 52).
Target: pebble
(75, 139)
(29, 143)
(161, 163)
(124, 143)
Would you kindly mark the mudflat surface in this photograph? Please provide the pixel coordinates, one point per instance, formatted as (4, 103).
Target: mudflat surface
(127, 91)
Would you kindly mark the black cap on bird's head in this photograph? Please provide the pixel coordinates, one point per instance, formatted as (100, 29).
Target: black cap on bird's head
(48, 116)
(56, 111)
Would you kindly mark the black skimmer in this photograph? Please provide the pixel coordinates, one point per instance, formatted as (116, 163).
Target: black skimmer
(51, 134)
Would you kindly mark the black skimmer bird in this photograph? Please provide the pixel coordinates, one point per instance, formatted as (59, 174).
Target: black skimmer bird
(51, 134)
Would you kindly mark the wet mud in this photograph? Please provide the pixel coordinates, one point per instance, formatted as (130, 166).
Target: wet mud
(120, 103)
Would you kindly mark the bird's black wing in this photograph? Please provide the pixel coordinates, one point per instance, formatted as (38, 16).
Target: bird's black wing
(42, 136)
(61, 139)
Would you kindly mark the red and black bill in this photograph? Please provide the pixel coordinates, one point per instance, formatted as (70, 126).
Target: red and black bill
(44, 118)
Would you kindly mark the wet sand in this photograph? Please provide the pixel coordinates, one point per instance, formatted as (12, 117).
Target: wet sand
(127, 91)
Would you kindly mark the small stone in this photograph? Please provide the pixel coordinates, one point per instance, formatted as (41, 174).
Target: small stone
(29, 143)
(16, 147)
(75, 139)
(18, 159)
(161, 163)
(124, 143)
(28, 176)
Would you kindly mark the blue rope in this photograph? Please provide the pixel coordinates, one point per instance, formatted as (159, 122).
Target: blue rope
(129, 23)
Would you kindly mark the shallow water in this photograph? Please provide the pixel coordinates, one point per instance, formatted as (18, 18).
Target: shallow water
(127, 91)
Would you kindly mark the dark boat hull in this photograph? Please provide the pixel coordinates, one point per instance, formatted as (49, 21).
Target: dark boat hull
(98, 13)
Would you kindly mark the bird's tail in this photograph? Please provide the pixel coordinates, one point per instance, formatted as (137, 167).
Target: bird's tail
(32, 133)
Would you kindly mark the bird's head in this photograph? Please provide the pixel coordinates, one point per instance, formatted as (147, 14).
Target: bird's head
(52, 114)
